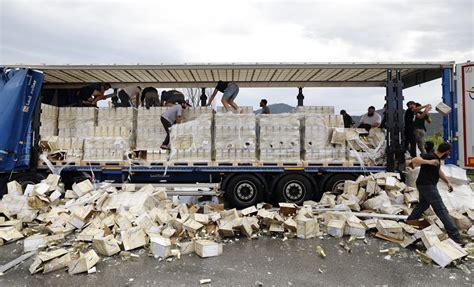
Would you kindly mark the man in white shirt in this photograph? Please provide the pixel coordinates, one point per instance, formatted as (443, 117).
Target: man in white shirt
(129, 96)
(172, 116)
(370, 120)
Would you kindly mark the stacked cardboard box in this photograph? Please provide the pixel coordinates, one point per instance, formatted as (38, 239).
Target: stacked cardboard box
(279, 137)
(191, 141)
(191, 113)
(328, 110)
(244, 109)
(49, 120)
(75, 122)
(107, 143)
(235, 137)
(151, 134)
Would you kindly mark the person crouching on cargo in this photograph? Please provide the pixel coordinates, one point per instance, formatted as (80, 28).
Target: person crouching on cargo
(89, 95)
(371, 119)
(230, 91)
(172, 116)
(150, 98)
(430, 173)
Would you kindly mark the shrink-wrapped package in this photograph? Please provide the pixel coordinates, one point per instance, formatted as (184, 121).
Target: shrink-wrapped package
(279, 137)
(235, 137)
(75, 122)
(191, 141)
(49, 120)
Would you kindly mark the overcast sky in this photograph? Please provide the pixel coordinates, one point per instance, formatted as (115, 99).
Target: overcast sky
(154, 32)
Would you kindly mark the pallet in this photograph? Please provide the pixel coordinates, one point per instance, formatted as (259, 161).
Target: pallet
(104, 163)
(185, 163)
(60, 163)
(329, 164)
(281, 164)
(236, 164)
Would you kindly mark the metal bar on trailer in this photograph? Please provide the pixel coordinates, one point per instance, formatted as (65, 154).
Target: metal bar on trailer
(450, 121)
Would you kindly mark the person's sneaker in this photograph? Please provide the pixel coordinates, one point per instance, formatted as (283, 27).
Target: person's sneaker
(163, 146)
(420, 223)
(460, 241)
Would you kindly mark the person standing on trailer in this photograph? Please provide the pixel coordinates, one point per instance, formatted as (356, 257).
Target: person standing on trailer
(230, 91)
(430, 173)
(172, 116)
(420, 129)
(410, 139)
(348, 121)
(265, 108)
(150, 98)
(89, 95)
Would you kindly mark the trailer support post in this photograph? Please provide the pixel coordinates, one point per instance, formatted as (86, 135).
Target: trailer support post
(300, 97)
(394, 122)
(203, 97)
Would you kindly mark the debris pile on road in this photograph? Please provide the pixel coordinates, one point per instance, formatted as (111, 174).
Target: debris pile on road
(71, 231)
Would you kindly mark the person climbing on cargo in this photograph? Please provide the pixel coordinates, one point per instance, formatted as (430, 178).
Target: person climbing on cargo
(150, 98)
(230, 91)
(410, 139)
(89, 95)
(370, 120)
(171, 98)
(348, 121)
(426, 183)
(172, 116)
(265, 108)
(420, 129)
(129, 97)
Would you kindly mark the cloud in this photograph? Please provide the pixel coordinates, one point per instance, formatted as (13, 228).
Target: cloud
(153, 32)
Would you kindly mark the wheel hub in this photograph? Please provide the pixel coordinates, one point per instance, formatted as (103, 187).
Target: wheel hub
(245, 191)
(294, 191)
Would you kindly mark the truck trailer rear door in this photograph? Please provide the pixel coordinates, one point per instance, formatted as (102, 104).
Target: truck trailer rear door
(465, 101)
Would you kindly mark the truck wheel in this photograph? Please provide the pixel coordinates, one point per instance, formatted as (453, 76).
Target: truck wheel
(244, 190)
(28, 178)
(335, 184)
(294, 188)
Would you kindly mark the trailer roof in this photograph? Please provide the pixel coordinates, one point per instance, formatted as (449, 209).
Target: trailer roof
(244, 74)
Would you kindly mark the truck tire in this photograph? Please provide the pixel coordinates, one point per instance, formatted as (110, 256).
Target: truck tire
(335, 183)
(244, 190)
(294, 188)
(28, 178)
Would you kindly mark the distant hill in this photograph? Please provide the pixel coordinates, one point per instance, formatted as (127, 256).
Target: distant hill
(278, 109)
(435, 127)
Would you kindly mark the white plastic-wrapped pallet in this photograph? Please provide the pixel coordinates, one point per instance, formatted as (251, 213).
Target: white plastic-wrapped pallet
(235, 137)
(279, 138)
(49, 120)
(122, 117)
(150, 131)
(245, 110)
(75, 122)
(191, 141)
(192, 113)
(323, 143)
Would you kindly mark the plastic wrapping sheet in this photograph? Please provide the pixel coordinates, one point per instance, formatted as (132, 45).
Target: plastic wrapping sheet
(235, 137)
(367, 149)
(279, 138)
(191, 141)
(191, 113)
(105, 149)
(315, 109)
(75, 122)
(49, 120)
(245, 110)
(123, 117)
(327, 155)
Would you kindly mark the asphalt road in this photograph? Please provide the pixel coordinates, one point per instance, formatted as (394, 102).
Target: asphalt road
(267, 261)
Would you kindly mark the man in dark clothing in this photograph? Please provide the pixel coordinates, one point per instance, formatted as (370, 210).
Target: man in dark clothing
(172, 116)
(230, 91)
(89, 95)
(348, 121)
(265, 108)
(430, 173)
(150, 98)
(410, 139)
(420, 129)
(171, 98)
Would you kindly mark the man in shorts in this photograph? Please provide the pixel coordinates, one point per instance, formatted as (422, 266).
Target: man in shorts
(230, 91)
